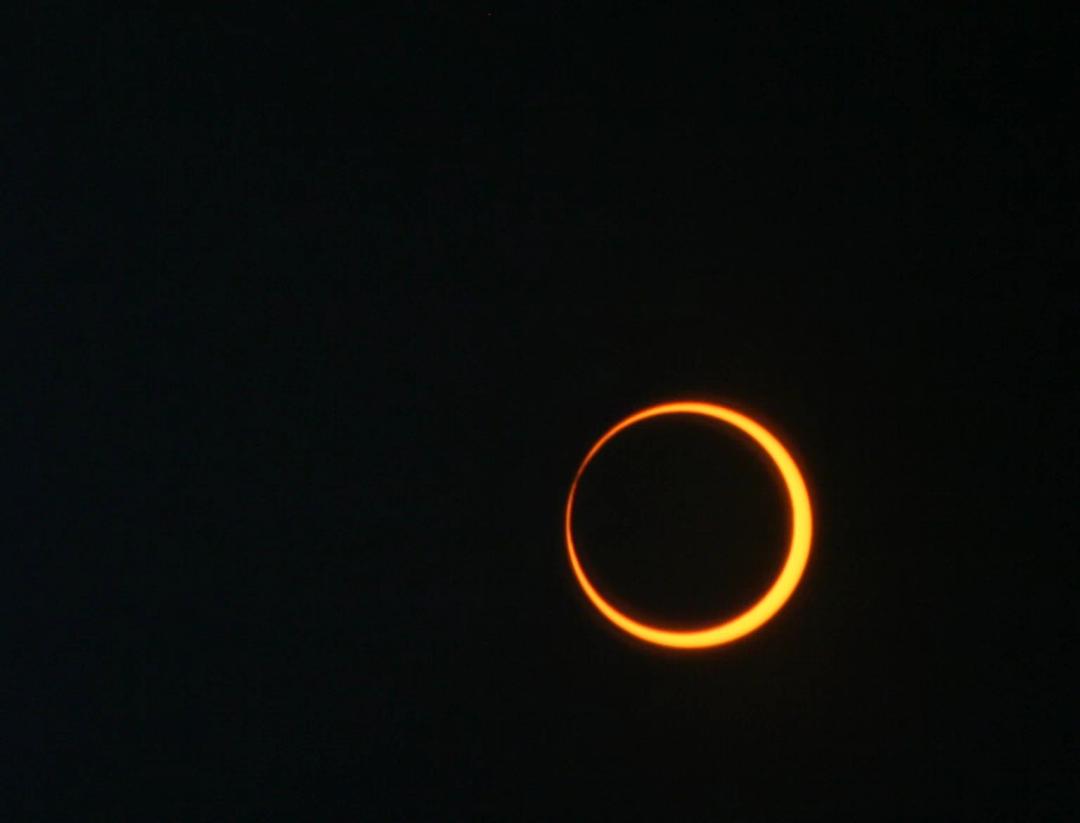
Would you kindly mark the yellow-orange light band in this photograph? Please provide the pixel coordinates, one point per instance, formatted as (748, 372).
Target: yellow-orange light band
(782, 587)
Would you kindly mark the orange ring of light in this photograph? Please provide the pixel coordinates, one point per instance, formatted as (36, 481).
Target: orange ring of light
(782, 587)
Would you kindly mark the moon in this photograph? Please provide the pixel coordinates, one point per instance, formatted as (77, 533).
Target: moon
(780, 591)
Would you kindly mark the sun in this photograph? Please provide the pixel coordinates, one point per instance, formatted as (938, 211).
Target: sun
(798, 551)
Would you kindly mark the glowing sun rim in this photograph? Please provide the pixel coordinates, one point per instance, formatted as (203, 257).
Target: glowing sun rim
(773, 599)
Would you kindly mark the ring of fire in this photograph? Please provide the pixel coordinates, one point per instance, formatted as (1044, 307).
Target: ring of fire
(785, 583)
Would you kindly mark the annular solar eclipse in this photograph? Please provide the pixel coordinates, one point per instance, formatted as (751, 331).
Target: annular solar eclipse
(782, 587)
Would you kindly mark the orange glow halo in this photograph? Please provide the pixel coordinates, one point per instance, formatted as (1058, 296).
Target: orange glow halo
(781, 589)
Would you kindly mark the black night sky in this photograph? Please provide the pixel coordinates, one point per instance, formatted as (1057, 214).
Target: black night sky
(314, 313)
